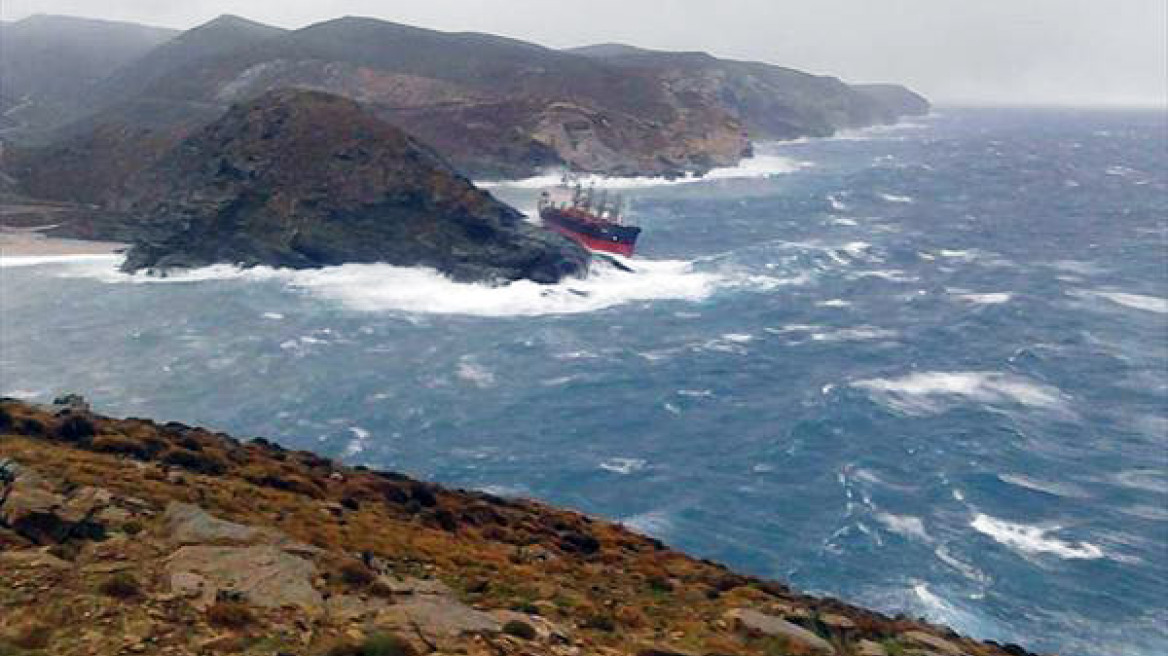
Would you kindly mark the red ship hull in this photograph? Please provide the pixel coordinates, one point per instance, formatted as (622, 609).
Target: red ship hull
(595, 244)
(590, 232)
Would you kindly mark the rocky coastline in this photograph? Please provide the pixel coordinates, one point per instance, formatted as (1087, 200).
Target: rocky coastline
(304, 179)
(126, 536)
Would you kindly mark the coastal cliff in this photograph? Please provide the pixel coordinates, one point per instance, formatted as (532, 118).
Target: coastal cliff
(306, 179)
(129, 536)
(491, 106)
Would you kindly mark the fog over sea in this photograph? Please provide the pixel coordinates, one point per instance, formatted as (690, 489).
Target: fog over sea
(922, 368)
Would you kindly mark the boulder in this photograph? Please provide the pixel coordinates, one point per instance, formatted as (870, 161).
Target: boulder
(31, 508)
(930, 641)
(870, 648)
(837, 622)
(187, 524)
(435, 619)
(755, 623)
(262, 575)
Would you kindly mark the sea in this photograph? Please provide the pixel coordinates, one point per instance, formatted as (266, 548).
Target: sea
(922, 368)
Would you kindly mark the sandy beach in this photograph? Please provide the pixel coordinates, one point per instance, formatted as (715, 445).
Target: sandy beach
(25, 242)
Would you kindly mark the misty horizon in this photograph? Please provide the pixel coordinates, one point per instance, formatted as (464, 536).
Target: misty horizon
(1010, 57)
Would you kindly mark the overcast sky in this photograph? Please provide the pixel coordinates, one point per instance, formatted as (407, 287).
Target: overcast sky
(955, 51)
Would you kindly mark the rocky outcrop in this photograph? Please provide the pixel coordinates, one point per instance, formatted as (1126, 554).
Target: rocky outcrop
(305, 179)
(753, 622)
(262, 575)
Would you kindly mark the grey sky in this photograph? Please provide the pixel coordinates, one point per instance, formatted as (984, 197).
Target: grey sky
(956, 51)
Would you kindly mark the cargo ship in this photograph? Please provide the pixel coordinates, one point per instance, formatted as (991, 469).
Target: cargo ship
(596, 223)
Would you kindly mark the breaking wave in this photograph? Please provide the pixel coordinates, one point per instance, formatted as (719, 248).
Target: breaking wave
(386, 288)
(759, 166)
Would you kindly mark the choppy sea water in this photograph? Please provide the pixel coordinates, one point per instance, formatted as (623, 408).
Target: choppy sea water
(922, 368)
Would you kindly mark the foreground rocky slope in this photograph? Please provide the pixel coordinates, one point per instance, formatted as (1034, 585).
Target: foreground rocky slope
(306, 179)
(131, 537)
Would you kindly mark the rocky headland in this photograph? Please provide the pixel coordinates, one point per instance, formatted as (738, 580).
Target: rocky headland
(304, 179)
(126, 536)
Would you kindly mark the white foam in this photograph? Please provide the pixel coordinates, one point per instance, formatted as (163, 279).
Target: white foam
(893, 198)
(738, 338)
(858, 334)
(827, 335)
(952, 253)
(12, 261)
(759, 166)
(623, 466)
(966, 570)
(475, 373)
(382, 287)
(1030, 539)
(987, 298)
(837, 204)
(834, 303)
(904, 525)
(359, 442)
(939, 610)
(891, 275)
(1135, 301)
(931, 392)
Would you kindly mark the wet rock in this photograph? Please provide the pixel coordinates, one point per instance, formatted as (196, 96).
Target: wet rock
(755, 623)
(262, 575)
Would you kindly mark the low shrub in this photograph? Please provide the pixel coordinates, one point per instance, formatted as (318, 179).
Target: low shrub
(520, 630)
(599, 622)
(121, 445)
(201, 462)
(75, 428)
(380, 644)
(356, 575)
(229, 615)
(121, 586)
(383, 644)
